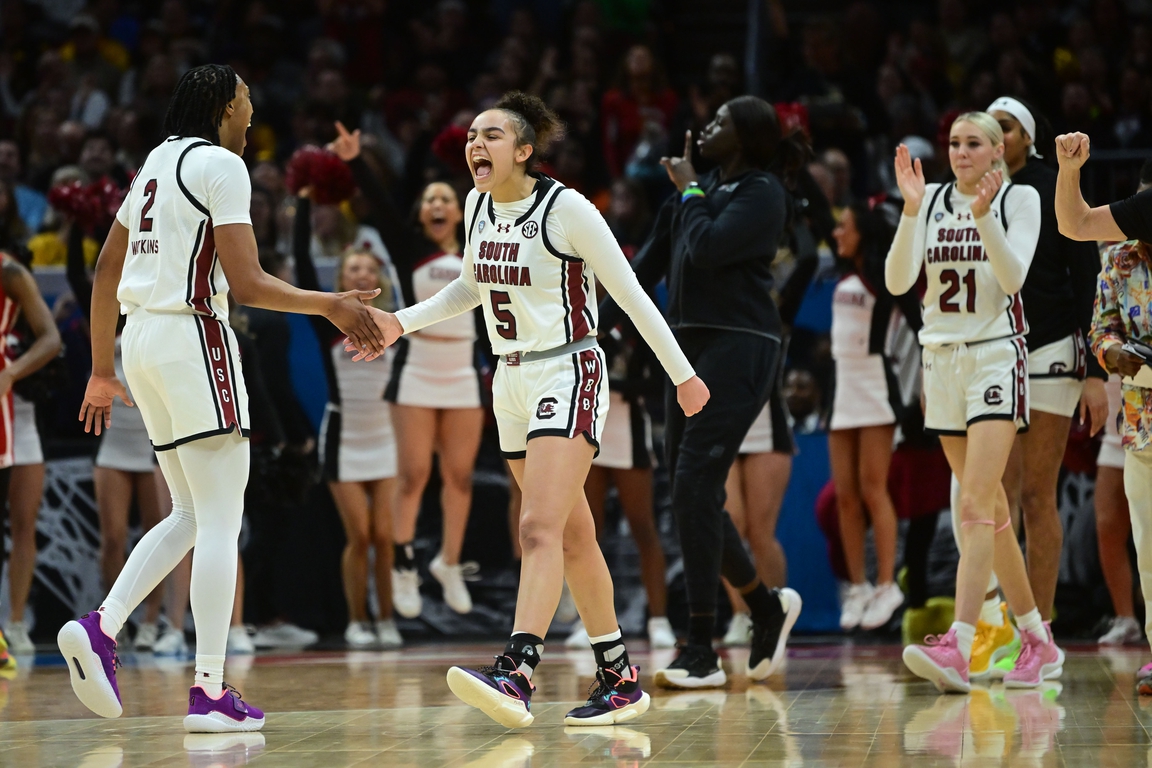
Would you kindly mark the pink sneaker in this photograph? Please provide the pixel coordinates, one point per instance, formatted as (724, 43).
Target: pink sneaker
(1039, 660)
(940, 662)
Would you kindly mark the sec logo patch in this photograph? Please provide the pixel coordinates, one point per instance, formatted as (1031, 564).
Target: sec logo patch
(530, 229)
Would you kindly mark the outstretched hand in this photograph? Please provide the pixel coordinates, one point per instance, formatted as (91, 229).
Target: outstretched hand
(96, 410)
(986, 190)
(351, 313)
(1072, 149)
(346, 145)
(692, 396)
(388, 325)
(910, 180)
(680, 169)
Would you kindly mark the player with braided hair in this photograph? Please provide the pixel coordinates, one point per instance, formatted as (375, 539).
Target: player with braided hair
(181, 241)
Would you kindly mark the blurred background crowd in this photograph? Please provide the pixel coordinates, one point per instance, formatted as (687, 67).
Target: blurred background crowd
(84, 85)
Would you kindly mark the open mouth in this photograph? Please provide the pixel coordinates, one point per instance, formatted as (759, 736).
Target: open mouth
(481, 167)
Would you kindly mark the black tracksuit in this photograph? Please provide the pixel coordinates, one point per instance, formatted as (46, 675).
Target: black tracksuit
(716, 251)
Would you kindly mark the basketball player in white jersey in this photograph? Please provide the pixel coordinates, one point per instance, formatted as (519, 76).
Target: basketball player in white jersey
(533, 250)
(181, 241)
(975, 239)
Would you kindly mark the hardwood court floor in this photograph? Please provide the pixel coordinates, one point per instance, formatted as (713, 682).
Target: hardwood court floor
(834, 705)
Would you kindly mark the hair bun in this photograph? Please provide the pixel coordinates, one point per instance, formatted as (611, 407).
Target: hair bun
(545, 123)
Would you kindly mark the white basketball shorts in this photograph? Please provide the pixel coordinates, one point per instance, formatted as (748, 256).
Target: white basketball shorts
(1056, 375)
(967, 383)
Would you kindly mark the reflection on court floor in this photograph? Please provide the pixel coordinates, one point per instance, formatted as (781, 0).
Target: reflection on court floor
(834, 705)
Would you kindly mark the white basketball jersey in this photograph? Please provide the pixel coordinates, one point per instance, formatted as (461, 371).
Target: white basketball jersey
(432, 275)
(963, 302)
(186, 187)
(534, 297)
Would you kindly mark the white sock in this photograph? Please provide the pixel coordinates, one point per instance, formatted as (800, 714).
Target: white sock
(113, 614)
(990, 612)
(1031, 622)
(210, 674)
(965, 634)
(605, 638)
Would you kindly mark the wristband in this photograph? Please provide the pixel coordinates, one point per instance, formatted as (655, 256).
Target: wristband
(692, 190)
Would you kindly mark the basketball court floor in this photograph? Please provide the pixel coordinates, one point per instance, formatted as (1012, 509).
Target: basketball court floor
(834, 705)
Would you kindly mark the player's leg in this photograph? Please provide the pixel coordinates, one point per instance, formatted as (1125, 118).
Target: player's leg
(765, 480)
(148, 502)
(458, 433)
(875, 459)
(734, 506)
(383, 494)
(1113, 528)
(1043, 447)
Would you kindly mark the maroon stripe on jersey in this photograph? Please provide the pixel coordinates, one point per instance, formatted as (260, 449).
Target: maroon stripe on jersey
(220, 370)
(577, 299)
(587, 393)
(1081, 355)
(200, 295)
(1020, 399)
(1016, 314)
(7, 431)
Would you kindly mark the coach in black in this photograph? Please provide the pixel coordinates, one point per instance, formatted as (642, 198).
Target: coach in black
(715, 240)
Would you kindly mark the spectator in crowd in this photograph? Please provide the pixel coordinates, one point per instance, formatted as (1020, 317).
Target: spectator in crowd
(639, 109)
(31, 204)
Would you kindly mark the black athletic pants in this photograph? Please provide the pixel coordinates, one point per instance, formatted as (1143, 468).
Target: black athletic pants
(739, 370)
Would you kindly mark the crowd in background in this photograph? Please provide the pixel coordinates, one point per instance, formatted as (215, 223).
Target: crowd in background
(84, 87)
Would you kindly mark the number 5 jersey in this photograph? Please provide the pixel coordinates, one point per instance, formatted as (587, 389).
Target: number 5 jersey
(975, 267)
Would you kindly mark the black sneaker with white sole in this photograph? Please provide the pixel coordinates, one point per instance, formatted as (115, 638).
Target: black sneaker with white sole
(770, 639)
(695, 666)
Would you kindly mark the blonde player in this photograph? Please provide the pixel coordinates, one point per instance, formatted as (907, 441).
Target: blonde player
(533, 250)
(181, 241)
(975, 238)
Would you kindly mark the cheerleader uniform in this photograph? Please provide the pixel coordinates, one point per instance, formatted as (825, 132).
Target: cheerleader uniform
(626, 440)
(357, 442)
(1111, 451)
(772, 430)
(124, 445)
(439, 367)
(27, 450)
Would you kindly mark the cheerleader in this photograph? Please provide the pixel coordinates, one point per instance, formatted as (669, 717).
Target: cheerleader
(357, 445)
(975, 239)
(434, 389)
(533, 251)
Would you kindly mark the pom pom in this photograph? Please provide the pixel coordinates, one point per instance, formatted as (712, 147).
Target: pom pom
(449, 146)
(329, 177)
(92, 207)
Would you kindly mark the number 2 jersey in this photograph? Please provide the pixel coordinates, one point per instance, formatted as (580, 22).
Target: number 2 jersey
(186, 188)
(532, 265)
(975, 267)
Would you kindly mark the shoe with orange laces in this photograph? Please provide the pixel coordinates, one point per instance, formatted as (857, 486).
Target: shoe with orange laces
(611, 700)
(940, 662)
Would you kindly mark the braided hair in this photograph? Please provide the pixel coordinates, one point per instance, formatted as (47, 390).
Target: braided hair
(198, 103)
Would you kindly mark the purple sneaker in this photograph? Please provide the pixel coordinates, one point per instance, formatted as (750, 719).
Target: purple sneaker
(502, 693)
(611, 701)
(227, 714)
(92, 662)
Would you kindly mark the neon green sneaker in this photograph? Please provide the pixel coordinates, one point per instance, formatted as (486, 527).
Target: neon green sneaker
(1007, 661)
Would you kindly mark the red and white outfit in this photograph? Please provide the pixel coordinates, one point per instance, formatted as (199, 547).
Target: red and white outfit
(867, 392)
(180, 356)
(530, 264)
(975, 361)
(9, 312)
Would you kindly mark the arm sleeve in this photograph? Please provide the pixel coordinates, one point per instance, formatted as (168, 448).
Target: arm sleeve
(906, 255)
(227, 189)
(1010, 253)
(1083, 260)
(306, 276)
(650, 262)
(1134, 216)
(584, 230)
(1107, 318)
(459, 296)
(753, 218)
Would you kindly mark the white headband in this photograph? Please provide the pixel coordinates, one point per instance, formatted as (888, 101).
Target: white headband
(1022, 115)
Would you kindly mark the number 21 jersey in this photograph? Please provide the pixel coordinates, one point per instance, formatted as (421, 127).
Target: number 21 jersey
(186, 188)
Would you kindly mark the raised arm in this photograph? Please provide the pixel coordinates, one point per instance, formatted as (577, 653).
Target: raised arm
(77, 272)
(306, 275)
(906, 254)
(1074, 217)
(1009, 252)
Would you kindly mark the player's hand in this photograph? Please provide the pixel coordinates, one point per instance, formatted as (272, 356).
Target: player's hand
(1094, 405)
(910, 179)
(350, 312)
(692, 395)
(388, 325)
(96, 410)
(346, 145)
(1072, 150)
(680, 169)
(1119, 360)
(986, 190)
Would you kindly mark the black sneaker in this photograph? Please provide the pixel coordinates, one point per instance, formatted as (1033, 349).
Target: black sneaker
(695, 666)
(499, 691)
(769, 640)
(611, 700)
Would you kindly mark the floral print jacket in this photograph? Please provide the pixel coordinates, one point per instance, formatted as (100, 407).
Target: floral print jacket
(1122, 312)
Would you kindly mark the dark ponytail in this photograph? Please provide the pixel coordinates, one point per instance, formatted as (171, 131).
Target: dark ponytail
(535, 123)
(758, 129)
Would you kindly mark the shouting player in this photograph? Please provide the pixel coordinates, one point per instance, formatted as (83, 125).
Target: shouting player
(181, 241)
(533, 250)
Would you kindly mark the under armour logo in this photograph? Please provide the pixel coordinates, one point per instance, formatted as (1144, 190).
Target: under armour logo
(503, 227)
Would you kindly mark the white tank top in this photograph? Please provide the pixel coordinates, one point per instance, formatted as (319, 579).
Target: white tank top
(852, 307)
(186, 188)
(432, 275)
